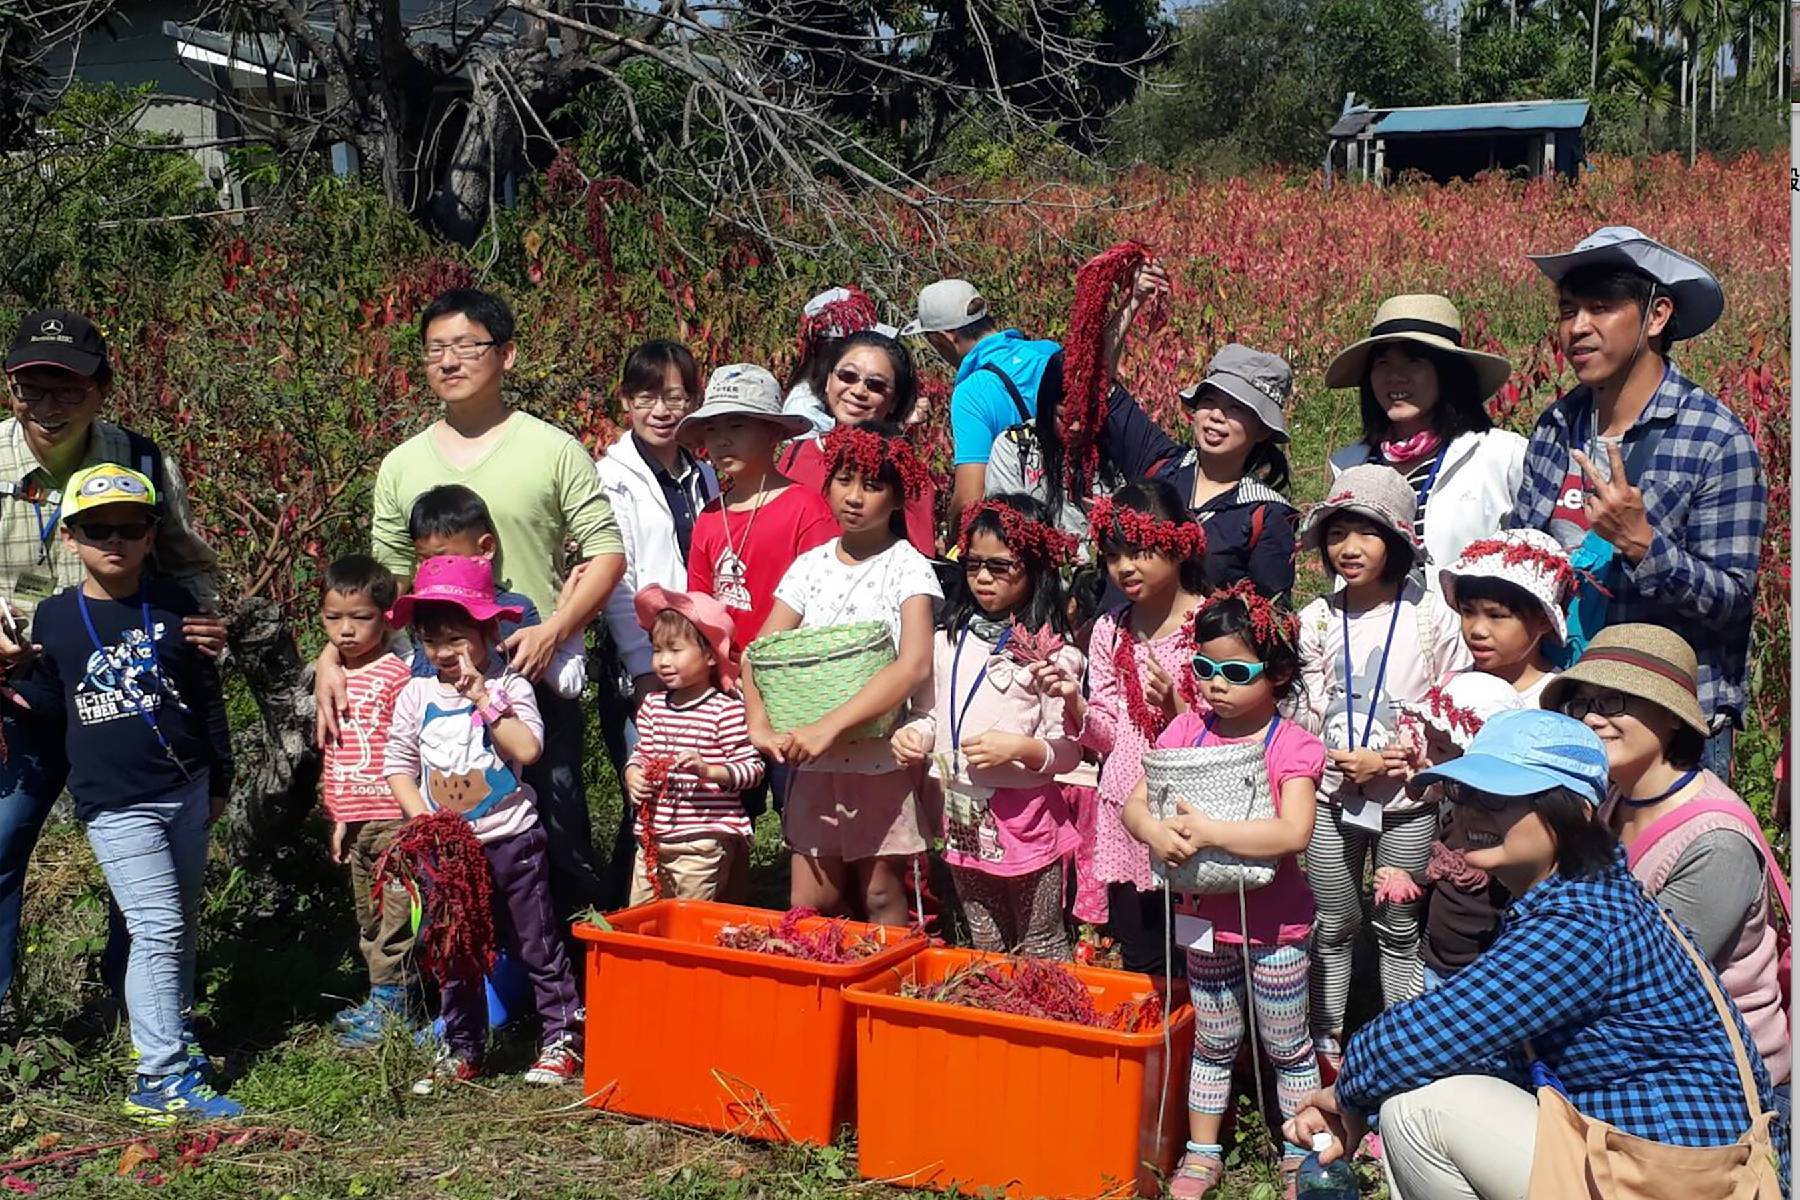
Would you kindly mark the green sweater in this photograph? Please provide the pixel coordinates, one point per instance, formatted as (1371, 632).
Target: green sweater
(538, 483)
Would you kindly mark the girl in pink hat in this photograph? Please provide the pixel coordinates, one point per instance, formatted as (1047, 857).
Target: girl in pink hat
(461, 740)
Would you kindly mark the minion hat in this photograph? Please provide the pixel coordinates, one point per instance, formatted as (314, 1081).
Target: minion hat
(103, 484)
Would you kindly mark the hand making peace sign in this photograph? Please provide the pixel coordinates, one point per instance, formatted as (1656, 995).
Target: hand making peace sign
(1615, 506)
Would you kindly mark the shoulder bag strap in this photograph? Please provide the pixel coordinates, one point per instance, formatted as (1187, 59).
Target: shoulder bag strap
(1746, 1077)
(1012, 389)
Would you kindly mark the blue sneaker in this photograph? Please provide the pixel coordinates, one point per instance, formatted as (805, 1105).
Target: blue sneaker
(349, 1018)
(183, 1097)
(387, 1008)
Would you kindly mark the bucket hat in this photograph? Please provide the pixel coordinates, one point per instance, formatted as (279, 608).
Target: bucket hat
(703, 612)
(459, 579)
(1461, 705)
(741, 390)
(1699, 300)
(1525, 751)
(1261, 382)
(1529, 559)
(946, 305)
(1422, 320)
(104, 484)
(1377, 492)
(1638, 660)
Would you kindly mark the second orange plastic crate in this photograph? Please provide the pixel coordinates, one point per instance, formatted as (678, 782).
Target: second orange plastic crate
(681, 1030)
(952, 1095)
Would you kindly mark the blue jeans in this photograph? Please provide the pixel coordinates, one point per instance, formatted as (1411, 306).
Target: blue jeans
(1716, 757)
(30, 781)
(153, 854)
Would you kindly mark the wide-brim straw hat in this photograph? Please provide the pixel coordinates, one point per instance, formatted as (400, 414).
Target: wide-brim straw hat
(1638, 660)
(1421, 320)
(1373, 490)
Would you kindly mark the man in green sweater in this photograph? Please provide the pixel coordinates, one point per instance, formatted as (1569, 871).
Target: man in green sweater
(540, 487)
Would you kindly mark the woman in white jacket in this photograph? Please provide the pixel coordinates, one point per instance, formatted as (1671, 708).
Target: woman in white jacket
(1424, 414)
(656, 490)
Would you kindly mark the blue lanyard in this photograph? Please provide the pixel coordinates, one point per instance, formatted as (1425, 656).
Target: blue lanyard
(957, 716)
(150, 719)
(1380, 673)
(46, 530)
(1268, 738)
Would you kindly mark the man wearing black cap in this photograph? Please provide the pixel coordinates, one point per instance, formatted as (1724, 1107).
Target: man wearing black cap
(57, 377)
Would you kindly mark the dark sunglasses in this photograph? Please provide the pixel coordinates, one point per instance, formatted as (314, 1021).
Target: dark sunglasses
(103, 531)
(875, 384)
(999, 568)
(1610, 705)
(1236, 671)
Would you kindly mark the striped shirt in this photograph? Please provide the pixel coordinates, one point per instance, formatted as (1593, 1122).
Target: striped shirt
(354, 785)
(715, 726)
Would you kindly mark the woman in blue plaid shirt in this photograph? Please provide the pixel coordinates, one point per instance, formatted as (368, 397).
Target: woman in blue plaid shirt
(1584, 971)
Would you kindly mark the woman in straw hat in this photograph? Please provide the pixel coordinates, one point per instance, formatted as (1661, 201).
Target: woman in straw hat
(1423, 397)
(1695, 846)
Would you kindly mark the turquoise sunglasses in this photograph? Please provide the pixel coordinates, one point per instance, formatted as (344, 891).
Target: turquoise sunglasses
(1236, 671)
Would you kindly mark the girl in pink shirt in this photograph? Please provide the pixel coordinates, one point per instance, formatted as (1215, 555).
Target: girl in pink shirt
(1245, 659)
(996, 730)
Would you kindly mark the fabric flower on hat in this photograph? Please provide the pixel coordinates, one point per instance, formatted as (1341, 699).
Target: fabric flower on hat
(1529, 559)
(1460, 705)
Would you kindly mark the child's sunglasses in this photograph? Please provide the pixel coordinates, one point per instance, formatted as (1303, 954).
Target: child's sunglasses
(1236, 671)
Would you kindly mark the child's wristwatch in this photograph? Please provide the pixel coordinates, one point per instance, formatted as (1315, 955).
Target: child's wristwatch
(497, 709)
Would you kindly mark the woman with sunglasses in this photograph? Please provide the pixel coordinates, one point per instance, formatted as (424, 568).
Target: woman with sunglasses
(1694, 845)
(1589, 999)
(870, 378)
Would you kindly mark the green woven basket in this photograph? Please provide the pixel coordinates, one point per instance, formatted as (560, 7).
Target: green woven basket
(803, 674)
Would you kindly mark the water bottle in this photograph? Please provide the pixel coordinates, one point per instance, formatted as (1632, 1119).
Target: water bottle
(1321, 1182)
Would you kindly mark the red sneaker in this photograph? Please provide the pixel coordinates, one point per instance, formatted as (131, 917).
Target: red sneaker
(557, 1064)
(450, 1071)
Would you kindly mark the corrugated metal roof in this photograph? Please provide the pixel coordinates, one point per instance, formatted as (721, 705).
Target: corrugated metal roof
(1466, 118)
(1351, 123)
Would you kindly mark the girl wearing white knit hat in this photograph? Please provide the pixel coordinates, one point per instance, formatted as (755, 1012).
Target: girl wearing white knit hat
(1510, 591)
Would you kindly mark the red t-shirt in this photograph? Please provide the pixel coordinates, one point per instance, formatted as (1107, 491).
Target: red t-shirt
(803, 462)
(739, 557)
(354, 784)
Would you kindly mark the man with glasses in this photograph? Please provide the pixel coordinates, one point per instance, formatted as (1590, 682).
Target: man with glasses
(539, 487)
(58, 376)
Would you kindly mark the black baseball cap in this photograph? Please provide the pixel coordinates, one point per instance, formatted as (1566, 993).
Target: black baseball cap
(56, 337)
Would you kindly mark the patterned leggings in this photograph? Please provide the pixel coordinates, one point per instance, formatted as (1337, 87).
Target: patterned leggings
(1334, 867)
(1278, 990)
(1015, 914)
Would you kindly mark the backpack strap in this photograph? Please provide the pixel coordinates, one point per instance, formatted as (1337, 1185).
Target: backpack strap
(1012, 390)
(147, 460)
(1741, 818)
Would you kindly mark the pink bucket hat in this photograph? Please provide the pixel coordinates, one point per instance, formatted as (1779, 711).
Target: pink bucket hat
(1530, 560)
(1459, 706)
(704, 613)
(455, 579)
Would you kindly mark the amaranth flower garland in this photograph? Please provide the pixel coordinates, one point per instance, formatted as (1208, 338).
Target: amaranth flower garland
(1269, 624)
(1024, 536)
(866, 451)
(1085, 385)
(850, 313)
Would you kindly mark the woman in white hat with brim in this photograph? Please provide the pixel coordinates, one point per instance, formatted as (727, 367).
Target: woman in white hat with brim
(1423, 413)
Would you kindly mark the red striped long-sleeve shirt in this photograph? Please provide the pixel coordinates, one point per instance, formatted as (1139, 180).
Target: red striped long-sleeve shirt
(715, 727)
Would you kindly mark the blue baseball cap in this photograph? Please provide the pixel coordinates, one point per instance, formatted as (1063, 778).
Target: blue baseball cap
(1526, 751)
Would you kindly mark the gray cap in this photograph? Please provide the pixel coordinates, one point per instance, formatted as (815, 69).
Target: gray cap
(742, 390)
(1699, 300)
(1261, 382)
(946, 306)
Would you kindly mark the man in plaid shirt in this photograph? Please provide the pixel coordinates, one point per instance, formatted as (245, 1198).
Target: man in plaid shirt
(57, 377)
(1654, 486)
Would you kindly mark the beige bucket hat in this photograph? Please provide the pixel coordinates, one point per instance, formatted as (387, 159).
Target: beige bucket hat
(1638, 660)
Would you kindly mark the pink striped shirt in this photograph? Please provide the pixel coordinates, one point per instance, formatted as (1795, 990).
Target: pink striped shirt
(354, 786)
(715, 726)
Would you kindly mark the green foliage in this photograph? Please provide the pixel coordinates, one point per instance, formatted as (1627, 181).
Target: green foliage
(1532, 62)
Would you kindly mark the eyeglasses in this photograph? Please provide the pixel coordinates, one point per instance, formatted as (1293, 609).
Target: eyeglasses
(647, 402)
(999, 568)
(873, 384)
(1236, 671)
(102, 531)
(464, 351)
(1462, 793)
(1608, 704)
(33, 397)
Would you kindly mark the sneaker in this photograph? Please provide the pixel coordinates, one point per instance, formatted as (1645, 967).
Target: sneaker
(559, 1063)
(183, 1097)
(1196, 1177)
(450, 1071)
(347, 1019)
(386, 1009)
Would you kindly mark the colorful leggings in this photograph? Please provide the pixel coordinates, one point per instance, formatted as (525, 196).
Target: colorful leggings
(1278, 990)
(1015, 914)
(1334, 868)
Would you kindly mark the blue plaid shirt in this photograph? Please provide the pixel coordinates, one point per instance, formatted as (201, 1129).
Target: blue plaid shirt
(1586, 971)
(1705, 498)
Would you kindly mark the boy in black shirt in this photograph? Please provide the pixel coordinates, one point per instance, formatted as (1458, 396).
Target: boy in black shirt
(150, 764)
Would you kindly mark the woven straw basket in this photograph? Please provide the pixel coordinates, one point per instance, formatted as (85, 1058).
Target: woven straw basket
(805, 673)
(1227, 782)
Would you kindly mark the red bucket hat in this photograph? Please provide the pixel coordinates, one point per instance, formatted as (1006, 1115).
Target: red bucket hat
(455, 579)
(704, 612)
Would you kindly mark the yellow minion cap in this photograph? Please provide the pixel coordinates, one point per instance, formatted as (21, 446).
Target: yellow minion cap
(103, 484)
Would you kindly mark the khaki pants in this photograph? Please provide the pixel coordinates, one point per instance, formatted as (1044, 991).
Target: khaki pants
(696, 868)
(1468, 1137)
(384, 926)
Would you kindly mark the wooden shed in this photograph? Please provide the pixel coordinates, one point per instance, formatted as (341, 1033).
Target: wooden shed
(1458, 141)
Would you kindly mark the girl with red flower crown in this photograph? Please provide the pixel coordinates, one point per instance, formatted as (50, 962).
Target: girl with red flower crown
(1152, 549)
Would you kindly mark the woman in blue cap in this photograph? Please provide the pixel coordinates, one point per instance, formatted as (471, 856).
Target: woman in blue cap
(1586, 977)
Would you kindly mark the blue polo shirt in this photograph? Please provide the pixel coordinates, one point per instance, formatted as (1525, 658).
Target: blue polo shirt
(980, 409)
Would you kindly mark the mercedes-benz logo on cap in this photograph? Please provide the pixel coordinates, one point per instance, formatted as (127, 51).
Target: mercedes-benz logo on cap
(51, 328)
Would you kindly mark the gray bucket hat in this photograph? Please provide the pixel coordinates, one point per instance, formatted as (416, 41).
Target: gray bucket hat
(1699, 300)
(742, 390)
(1261, 382)
(1377, 492)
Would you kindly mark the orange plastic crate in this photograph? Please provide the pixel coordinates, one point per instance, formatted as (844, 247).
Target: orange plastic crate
(680, 1029)
(947, 1095)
